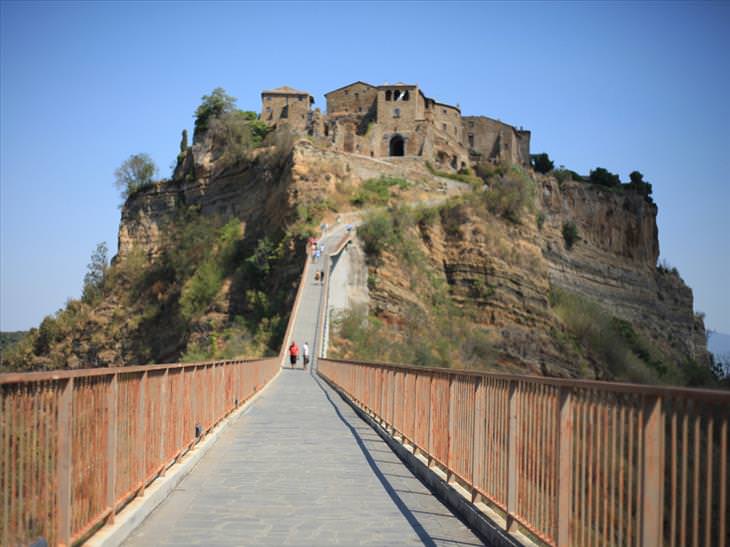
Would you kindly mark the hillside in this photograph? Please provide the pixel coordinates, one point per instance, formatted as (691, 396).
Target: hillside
(508, 270)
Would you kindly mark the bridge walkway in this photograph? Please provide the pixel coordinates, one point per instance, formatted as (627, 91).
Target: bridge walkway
(299, 467)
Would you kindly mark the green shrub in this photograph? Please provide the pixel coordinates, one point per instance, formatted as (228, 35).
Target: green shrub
(570, 234)
(639, 185)
(607, 340)
(603, 177)
(376, 233)
(377, 191)
(510, 195)
(541, 163)
(540, 220)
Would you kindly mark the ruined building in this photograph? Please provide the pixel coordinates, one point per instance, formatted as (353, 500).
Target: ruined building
(393, 120)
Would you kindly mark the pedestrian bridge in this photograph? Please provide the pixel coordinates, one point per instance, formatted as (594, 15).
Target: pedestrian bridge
(251, 452)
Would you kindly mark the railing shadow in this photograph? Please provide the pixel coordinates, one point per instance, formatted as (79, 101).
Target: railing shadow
(399, 503)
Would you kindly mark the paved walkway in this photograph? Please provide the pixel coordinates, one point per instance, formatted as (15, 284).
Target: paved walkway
(299, 467)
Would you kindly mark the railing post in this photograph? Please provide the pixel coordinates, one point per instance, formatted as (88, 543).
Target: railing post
(565, 467)
(140, 447)
(63, 462)
(653, 473)
(164, 411)
(512, 456)
(111, 447)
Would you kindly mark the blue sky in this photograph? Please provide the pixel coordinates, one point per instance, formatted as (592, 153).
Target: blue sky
(621, 85)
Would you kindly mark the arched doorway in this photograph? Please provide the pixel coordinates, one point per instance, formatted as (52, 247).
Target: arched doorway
(397, 146)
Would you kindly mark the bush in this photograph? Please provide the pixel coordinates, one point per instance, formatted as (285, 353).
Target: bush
(639, 185)
(377, 191)
(603, 177)
(606, 339)
(540, 220)
(541, 163)
(511, 195)
(135, 174)
(376, 233)
(570, 234)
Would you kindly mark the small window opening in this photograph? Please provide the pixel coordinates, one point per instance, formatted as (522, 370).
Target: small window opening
(444, 126)
(471, 140)
(396, 112)
(396, 95)
(285, 112)
(388, 95)
(406, 95)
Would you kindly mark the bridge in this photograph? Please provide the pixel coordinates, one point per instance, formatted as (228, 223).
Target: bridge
(252, 452)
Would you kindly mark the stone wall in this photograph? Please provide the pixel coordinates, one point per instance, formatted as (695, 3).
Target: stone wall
(496, 141)
(357, 98)
(292, 109)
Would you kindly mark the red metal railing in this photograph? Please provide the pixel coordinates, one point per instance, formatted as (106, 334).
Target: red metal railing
(75, 446)
(569, 462)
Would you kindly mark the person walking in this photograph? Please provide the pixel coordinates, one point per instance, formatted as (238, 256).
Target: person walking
(305, 355)
(293, 353)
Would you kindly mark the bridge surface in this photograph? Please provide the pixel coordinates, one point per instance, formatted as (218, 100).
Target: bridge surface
(299, 467)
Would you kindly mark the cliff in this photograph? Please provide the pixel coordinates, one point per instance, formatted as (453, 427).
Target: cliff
(208, 264)
(599, 308)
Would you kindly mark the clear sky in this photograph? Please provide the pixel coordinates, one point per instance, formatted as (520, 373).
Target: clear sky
(619, 85)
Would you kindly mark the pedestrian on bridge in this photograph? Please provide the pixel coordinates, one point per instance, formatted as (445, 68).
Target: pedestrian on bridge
(293, 353)
(305, 355)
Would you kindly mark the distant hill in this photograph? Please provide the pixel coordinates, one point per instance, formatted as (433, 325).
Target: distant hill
(7, 339)
(719, 344)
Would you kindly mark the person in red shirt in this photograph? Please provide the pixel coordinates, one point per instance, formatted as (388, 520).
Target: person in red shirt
(293, 353)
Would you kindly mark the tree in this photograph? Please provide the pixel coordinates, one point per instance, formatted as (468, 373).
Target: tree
(184, 141)
(96, 273)
(542, 163)
(638, 184)
(602, 176)
(135, 173)
(213, 106)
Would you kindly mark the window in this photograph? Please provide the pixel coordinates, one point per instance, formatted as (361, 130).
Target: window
(406, 95)
(443, 110)
(347, 91)
(471, 140)
(396, 95)
(285, 112)
(388, 95)
(471, 124)
(357, 96)
(444, 126)
(396, 112)
(300, 98)
(359, 108)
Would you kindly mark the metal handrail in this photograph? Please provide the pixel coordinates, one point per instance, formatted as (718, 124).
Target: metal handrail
(571, 462)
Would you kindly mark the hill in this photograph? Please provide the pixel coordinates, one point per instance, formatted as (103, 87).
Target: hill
(499, 267)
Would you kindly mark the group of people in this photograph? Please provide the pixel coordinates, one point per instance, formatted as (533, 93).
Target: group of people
(294, 354)
(317, 249)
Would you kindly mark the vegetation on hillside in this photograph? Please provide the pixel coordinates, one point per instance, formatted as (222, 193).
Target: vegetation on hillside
(212, 292)
(431, 332)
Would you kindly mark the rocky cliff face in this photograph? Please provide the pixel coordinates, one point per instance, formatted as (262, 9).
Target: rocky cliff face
(504, 273)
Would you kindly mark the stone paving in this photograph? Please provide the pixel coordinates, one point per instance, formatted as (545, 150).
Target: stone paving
(299, 467)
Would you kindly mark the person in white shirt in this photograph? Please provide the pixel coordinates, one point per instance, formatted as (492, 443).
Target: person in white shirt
(305, 355)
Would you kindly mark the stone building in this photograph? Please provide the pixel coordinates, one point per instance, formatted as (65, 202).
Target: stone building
(393, 120)
(286, 105)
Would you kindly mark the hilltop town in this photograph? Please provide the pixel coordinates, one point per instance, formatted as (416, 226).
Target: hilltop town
(393, 120)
